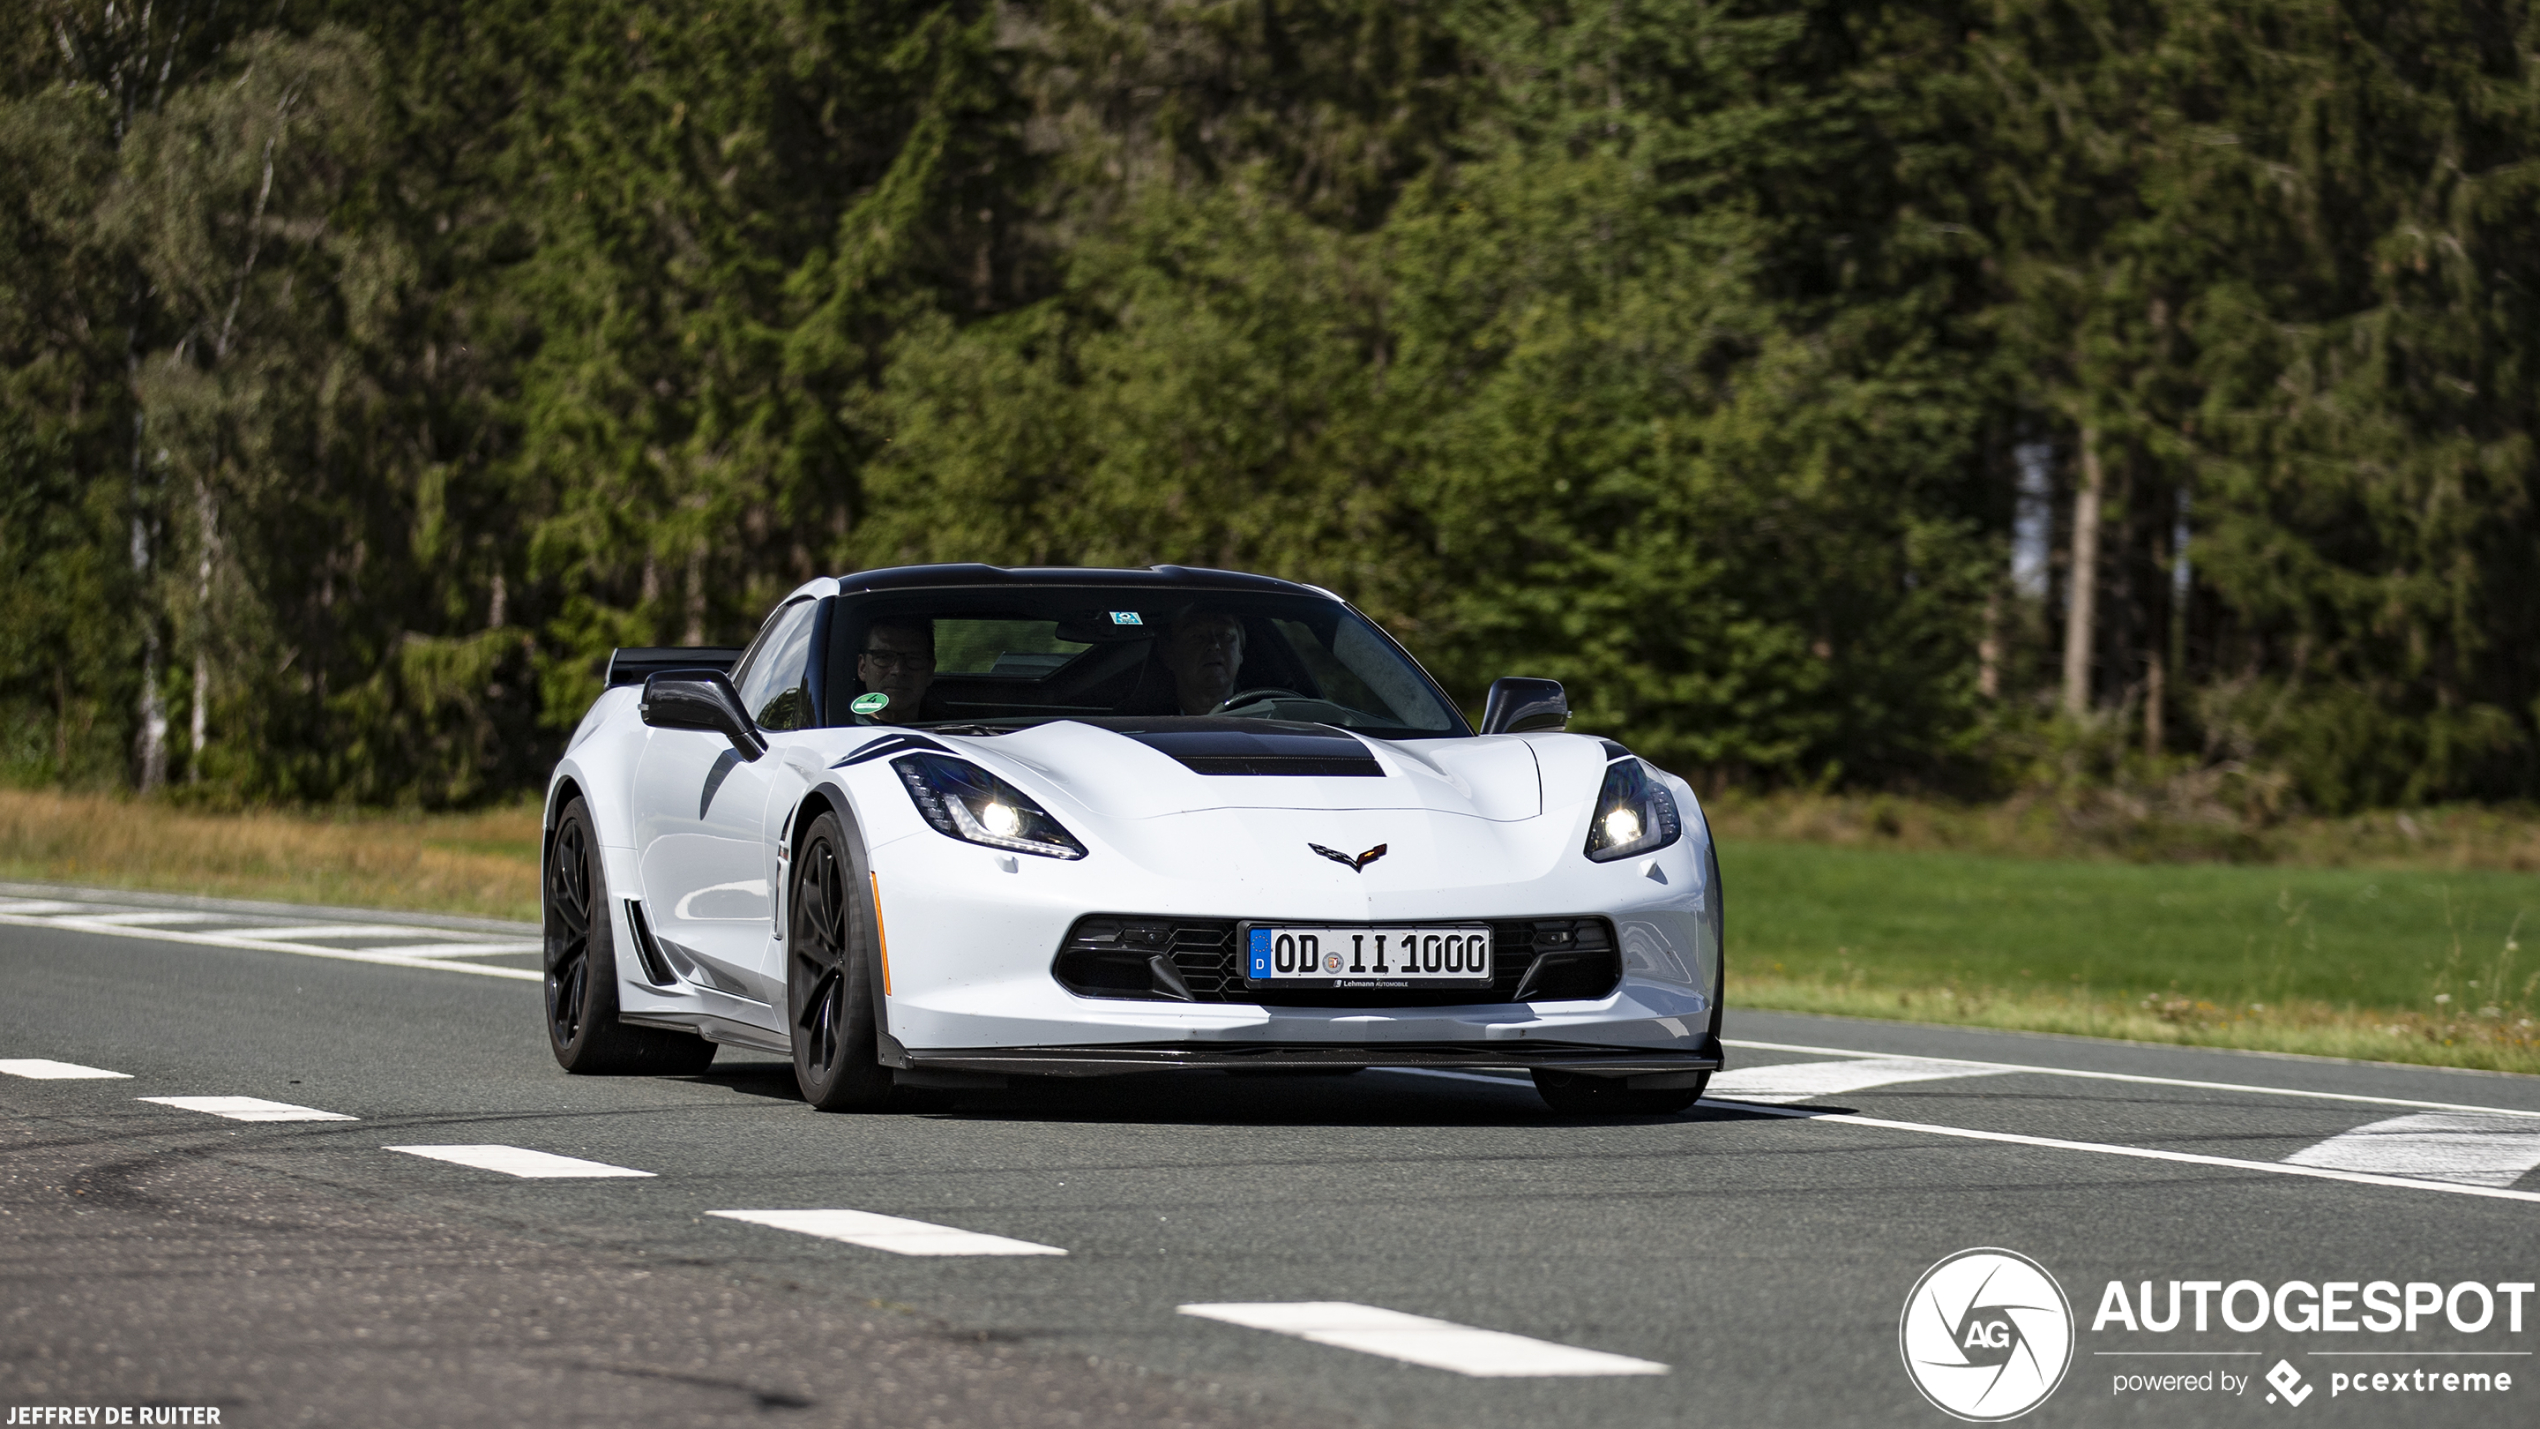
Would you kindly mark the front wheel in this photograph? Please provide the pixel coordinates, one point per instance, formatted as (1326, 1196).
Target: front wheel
(828, 992)
(1577, 1094)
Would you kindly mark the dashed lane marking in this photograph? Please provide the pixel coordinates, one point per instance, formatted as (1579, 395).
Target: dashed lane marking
(892, 1233)
(520, 1161)
(2143, 1153)
(249, 1109)
(43, 1070)
(2472, 1148)
(2134, 1078)
(1417, 1339)
(1807, 1081)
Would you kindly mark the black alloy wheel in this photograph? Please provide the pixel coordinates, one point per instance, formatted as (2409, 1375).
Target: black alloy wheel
(829, 992)
(581, 970)
(1578, 1094)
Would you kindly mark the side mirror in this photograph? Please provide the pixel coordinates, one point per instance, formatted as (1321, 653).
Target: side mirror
(1517, 704)
(705, 700)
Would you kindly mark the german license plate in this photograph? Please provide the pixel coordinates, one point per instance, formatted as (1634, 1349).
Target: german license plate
(1361, 955)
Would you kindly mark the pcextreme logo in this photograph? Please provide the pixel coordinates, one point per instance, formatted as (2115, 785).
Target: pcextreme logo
(1986, 1335)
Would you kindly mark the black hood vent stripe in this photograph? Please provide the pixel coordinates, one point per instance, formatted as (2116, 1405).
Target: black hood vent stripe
(1207, 744)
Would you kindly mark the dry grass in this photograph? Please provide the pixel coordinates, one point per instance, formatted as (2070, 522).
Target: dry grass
(2466, 1039)
(484, 864)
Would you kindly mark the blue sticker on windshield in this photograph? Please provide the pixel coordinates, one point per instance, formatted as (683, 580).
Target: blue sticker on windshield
(1126, 617)
(1260, 952)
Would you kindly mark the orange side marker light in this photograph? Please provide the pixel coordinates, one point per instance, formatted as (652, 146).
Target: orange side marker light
(882, 937)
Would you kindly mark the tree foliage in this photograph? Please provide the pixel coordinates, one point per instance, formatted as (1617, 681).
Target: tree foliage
(366, 372)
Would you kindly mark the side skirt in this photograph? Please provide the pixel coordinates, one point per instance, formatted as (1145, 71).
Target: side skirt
(722, 1030)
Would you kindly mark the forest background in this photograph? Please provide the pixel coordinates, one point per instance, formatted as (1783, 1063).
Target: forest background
(1963, 398)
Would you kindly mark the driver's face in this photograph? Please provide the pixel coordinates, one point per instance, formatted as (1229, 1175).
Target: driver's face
(897, 663)
(1204, 652)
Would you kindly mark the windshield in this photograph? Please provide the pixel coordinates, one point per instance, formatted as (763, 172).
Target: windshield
(1008, 657)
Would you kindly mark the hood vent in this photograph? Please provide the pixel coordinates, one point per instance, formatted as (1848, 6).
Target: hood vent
(1206, 744)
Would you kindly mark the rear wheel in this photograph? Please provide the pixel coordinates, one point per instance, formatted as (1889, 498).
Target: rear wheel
(1577, 1094)
(828, 992)
(581, 970)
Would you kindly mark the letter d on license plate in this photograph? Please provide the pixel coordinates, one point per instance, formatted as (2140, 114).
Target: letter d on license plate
(1345, 955)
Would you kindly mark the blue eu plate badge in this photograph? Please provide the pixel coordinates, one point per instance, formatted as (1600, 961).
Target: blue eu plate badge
(1260, 952)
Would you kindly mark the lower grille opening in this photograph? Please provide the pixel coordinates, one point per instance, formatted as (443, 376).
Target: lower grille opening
(1116, 955)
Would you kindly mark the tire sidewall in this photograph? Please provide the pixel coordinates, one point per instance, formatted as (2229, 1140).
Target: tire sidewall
(857, 1081)
(599, 957)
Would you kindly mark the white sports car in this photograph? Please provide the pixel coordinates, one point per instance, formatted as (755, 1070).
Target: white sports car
(941, 825)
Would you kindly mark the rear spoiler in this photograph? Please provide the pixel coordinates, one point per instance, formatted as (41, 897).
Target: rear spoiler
(634, 664)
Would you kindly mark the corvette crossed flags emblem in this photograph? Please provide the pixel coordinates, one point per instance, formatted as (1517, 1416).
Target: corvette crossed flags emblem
(1357, 864)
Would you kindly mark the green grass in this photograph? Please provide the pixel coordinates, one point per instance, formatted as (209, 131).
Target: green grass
(2422, 965)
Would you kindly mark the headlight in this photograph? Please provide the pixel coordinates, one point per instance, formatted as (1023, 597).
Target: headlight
(966, 802)
(1634, 814)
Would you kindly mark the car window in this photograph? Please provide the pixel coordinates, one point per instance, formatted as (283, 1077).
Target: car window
(965, 646)
(1011, 656)
(774, 677)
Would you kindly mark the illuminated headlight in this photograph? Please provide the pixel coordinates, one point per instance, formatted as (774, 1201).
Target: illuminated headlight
(963, 801)
(1634, 814)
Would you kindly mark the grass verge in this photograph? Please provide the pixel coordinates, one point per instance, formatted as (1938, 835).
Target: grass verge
(2398, 965)
(485, 864)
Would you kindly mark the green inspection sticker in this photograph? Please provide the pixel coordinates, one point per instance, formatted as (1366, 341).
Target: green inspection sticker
(870, 704)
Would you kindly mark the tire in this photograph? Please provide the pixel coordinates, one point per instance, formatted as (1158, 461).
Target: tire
(1577, 1094)
(581, 970)
(828, 983)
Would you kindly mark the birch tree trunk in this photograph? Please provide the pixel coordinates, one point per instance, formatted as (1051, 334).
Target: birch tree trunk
(2081, 608)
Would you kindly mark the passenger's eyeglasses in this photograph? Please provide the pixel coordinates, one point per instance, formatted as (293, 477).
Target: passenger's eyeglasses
(898, 660)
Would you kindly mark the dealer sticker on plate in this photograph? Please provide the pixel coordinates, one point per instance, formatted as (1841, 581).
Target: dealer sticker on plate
(1391, 955)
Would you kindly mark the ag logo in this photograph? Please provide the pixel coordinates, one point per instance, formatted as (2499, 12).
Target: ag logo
(1986, 1335)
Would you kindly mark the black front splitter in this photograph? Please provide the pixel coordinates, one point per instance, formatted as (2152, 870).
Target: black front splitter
(1106, 1061)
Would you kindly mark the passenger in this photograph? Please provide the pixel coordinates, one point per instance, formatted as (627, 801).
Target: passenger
(1204, 652)
(898, 662)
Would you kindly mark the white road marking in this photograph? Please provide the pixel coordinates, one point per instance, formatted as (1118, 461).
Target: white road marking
(2144, 1153)
(2473, 1148)
(48, 1071)
(519, 1161)
(302, 932)
(35, 906)
(249, 1109)
(892, 1233)
(139, 920)
(459, 950)
(1519, 1082)
(1417, 1339)
(2135, 1078)
(251, 939)
(1807, 1081)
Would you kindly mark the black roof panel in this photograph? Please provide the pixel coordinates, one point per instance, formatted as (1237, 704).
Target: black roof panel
(972, 574)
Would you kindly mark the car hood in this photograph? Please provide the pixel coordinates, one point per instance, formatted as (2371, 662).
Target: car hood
(1143, 769)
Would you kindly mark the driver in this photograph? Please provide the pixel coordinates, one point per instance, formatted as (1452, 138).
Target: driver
(1203, 651)
(898, 661)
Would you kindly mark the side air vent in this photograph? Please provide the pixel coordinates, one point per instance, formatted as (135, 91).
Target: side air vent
(647, 952)
(1193, 960)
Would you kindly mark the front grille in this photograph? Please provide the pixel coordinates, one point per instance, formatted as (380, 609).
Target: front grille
(1145, 959)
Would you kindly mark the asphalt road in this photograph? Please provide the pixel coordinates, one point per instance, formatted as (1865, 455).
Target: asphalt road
(1748, 1260)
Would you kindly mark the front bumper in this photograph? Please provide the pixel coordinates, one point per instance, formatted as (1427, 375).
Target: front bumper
(1111, 1060)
